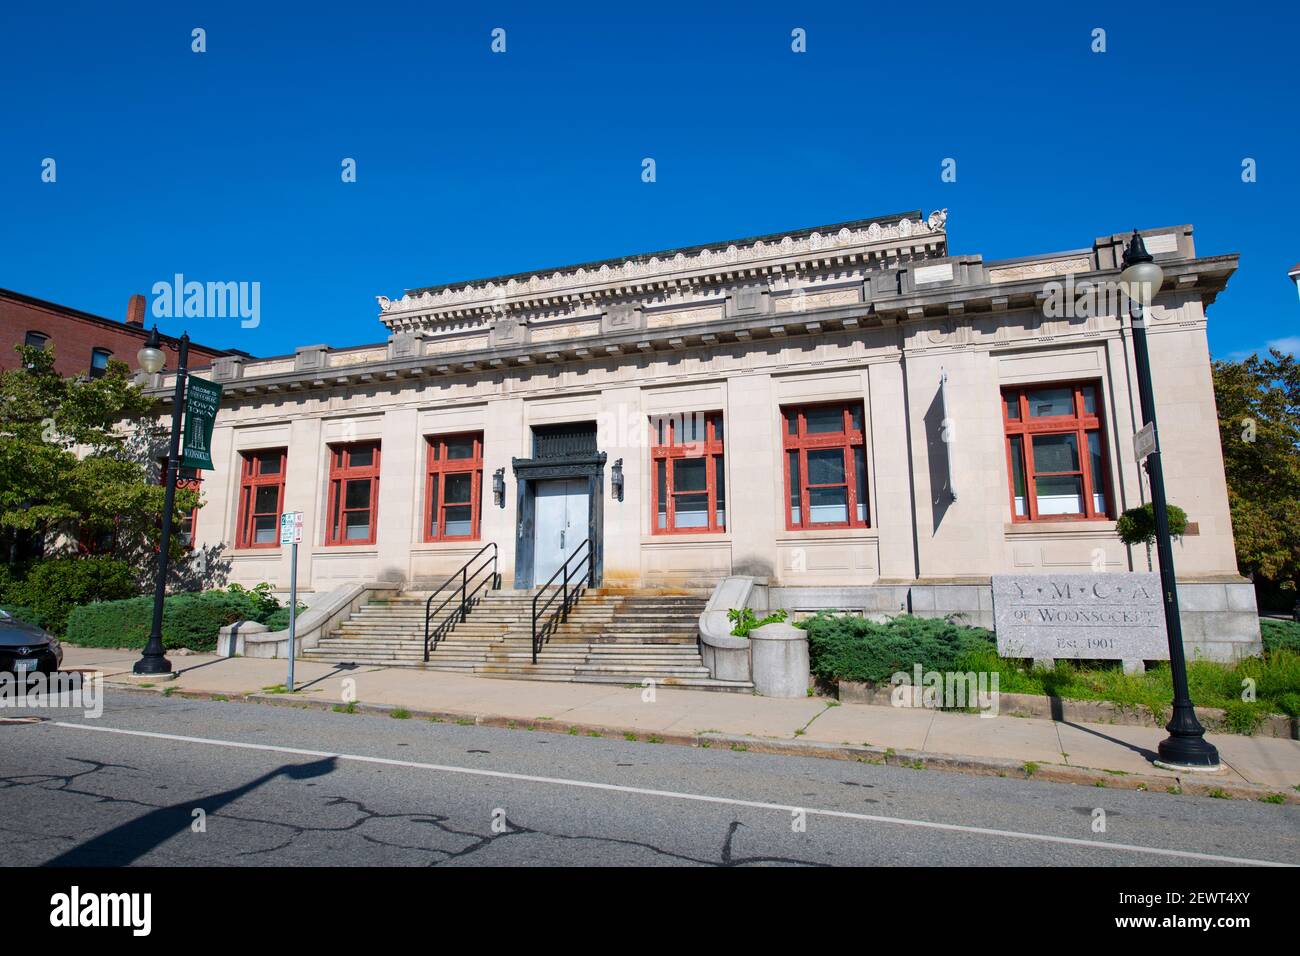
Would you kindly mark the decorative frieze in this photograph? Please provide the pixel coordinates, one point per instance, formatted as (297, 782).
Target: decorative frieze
(650, 271)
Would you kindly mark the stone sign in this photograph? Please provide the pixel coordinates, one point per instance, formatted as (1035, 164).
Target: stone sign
(1115, 616)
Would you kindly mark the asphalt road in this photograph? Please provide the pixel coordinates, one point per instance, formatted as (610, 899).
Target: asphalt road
(288, 787)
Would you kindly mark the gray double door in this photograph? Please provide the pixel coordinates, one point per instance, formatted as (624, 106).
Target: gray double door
(561, 516)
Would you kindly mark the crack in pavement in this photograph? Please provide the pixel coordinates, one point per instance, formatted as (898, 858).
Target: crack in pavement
(476, 843)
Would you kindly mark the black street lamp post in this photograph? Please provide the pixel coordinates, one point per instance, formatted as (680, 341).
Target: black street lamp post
(151, 358)
(1186, 747)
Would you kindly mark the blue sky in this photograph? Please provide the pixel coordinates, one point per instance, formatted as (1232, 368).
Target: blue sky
(225, 165)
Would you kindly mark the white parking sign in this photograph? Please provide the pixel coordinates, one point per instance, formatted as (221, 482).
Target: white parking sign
(291, 527)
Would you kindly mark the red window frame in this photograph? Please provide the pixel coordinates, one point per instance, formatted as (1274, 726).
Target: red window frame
(850, 439)
(1080, 424)
(192, 480)
(669, 447)
(343, 470)
(251, 479)
(438, 469)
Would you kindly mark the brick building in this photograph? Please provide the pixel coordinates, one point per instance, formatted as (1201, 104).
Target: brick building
(82, 342)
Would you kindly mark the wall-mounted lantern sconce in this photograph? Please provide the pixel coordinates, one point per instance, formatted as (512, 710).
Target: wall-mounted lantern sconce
(616, 480)
(499, 487)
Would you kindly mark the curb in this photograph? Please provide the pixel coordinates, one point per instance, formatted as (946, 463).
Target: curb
(1197, 785)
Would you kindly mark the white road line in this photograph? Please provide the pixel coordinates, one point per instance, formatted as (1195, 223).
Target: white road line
(675, 795)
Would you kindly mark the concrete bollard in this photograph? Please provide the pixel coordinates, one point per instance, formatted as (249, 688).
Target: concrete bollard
(780, 660)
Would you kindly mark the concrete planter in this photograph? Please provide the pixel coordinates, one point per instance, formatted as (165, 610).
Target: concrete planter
(250, 639)
(727, 657)
(780, 660)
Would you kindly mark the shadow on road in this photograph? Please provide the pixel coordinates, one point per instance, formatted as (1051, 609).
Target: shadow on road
(123, 845)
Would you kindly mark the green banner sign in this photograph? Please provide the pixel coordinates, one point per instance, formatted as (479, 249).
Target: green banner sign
(201, 401)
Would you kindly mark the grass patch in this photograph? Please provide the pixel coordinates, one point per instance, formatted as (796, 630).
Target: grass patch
(400, 713)
(857, 649)
(1030, 768)
(629, 736)
(1273, 798)
(1275, 678)
(349, 708)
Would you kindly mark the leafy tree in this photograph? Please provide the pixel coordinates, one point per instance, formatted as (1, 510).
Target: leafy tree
(1259, 426)
(78, 462)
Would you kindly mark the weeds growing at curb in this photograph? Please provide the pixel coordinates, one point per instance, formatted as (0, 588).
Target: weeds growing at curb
(400, 713)
(349, 708)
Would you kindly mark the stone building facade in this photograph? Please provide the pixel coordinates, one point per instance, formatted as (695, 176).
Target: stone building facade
(853, 412)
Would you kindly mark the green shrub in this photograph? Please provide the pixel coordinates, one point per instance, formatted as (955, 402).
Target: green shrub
(53, 588)
(744, 620)
(1244, 716)
(11, 577)
(1280, 635)
(264, 602)
(278, 620)
(24, 614)
(189, 620)
(1138, 525)
(853, 648)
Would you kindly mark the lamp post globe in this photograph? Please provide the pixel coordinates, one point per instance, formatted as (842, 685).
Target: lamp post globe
(150, 356)
(1141, 278)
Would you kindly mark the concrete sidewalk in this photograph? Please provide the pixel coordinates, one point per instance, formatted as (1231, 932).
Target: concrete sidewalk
(816, 725)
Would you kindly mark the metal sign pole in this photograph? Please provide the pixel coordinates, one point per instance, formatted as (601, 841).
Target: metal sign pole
(293, 609)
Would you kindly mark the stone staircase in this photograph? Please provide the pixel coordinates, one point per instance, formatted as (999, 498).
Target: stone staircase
(612, 636)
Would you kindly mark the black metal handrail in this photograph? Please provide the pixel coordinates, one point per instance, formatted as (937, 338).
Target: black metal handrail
(568, 592)
(468, 591)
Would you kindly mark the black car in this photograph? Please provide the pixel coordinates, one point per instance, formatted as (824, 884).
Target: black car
(26, 648)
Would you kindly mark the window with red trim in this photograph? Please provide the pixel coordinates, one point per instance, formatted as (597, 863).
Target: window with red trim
(192, 480)
(688, 490)
(825, 466)
(261, 497)
(1056, 452)
(354, 493)
(453, 490)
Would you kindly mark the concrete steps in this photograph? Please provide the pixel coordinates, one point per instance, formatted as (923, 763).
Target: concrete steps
(611, 636)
